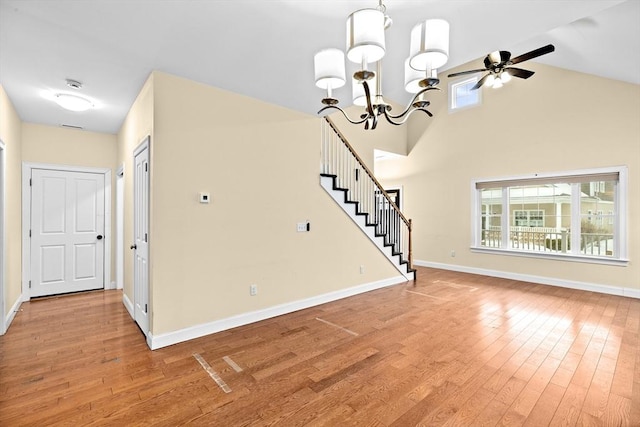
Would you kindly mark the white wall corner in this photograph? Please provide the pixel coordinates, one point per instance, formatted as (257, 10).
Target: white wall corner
(11, 314)
(150, 341)
(197, 331)
(127, 304)
(562, 283)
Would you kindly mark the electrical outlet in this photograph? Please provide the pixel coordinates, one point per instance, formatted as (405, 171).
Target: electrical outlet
(453, 253)
(362, 269)
(253, 290)
(302, 227)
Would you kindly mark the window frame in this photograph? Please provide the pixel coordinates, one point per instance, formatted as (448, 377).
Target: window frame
(452, 93)
(528, 217)
(620, 216)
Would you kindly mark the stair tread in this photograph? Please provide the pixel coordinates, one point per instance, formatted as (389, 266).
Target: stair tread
(401, 261)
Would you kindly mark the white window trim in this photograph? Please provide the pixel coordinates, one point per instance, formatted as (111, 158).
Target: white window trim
(451, 99)
(620, 225)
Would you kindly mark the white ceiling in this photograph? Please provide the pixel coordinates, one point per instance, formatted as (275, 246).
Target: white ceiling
(264, 48)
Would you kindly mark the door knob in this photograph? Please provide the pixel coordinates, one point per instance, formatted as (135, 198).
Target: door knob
(99, 237)
(134, 246)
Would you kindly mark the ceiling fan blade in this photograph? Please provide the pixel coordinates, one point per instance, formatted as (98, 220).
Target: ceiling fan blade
(519, 72)
(462, 73)
(534, 54)
(480, 82)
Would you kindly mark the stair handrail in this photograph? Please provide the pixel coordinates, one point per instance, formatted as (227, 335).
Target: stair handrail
(368, 171)
(382, 191)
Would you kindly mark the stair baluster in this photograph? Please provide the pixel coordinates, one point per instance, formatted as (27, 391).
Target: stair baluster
(350, 175)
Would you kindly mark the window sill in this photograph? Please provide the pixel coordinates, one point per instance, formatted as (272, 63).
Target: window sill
(557, 257)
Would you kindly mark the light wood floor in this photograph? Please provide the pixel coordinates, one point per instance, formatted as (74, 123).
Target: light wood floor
(455, 350)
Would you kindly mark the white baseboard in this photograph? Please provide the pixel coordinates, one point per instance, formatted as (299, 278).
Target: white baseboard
(110, 286)
(572, 284)
(12, 313)
(127, 304)
(170, 338)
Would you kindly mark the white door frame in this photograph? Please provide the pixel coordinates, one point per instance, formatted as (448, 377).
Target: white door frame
(26, 219)
(119, 241)
(3, 239)
(144, 145)
(400, 189)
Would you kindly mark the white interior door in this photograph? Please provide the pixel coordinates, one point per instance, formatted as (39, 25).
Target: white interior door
(120, 229)
(67, 232)
(3, 326)
(141, 237)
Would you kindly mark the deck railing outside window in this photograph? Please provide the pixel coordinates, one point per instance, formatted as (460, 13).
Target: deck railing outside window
(546, 239)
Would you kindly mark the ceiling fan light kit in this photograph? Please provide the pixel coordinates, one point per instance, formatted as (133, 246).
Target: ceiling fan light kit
(429, 50)
(498, 66)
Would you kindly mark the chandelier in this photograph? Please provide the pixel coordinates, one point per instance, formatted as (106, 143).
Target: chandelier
(428, 50)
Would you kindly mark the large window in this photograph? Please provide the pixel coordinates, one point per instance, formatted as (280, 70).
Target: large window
(578, 215)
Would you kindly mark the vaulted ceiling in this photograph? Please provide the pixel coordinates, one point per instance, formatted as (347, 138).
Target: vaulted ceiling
(264, 49)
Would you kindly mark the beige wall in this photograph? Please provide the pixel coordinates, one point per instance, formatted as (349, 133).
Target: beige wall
(73, 147)
(260, 164)
(556, 121)
(11, 135)
(70, 147)
(137, 125)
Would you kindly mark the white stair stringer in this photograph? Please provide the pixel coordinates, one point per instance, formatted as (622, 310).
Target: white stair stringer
(360, 220)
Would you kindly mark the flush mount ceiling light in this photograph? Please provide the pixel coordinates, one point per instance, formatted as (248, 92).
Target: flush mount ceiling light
(72, 102)
(429, 50)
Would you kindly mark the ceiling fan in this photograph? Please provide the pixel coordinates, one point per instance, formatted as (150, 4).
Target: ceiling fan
(499, 67)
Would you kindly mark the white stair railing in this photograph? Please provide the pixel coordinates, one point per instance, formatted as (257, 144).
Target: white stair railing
(351, 175)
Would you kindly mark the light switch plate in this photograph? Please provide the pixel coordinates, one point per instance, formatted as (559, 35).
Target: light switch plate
(205, 197)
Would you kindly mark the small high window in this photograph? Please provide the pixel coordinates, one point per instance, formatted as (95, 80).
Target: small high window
(461, 96)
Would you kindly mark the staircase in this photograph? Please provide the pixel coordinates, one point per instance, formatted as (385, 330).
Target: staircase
(352, 185)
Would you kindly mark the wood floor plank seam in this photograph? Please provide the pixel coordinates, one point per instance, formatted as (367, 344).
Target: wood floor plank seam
(450, 349)
(213, 374)
(326, 322)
